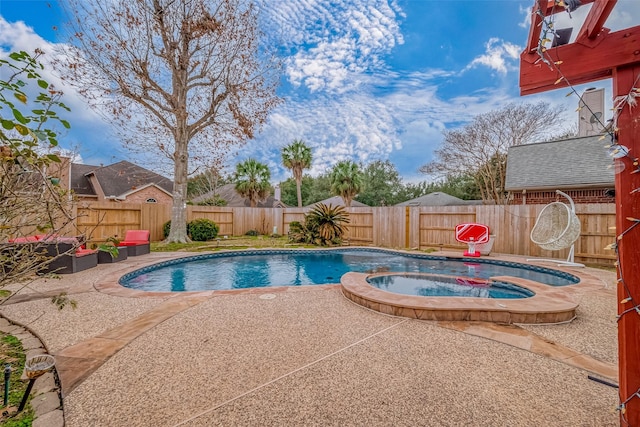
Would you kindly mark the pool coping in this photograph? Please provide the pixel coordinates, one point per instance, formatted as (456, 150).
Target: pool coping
(547, 305)
(550, 304)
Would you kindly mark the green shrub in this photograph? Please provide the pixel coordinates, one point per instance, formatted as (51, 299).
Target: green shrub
(166, 228)
(323, 225)
(296, 232)
(202, 230)
(251, 233)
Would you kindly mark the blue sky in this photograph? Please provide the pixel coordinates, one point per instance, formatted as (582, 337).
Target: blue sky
(363, 79)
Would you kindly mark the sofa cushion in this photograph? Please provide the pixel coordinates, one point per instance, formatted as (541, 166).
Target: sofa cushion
(134, 243)
(83, 252)
(137, 236)
(25, 239)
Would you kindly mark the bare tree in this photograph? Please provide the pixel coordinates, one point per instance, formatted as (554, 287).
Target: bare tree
(206, 182)
(480, 147)
(188, 77)
(32, 201)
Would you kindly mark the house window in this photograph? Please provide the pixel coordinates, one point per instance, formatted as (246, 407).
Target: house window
(152, 200)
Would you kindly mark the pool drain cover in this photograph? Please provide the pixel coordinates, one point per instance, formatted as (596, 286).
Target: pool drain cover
(267, 296)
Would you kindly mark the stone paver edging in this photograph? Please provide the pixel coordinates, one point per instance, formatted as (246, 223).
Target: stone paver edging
(45, 401)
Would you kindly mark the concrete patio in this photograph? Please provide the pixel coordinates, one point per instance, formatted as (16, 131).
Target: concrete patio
(308, 356)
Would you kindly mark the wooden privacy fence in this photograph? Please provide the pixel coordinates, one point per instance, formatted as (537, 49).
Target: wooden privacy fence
(391, 227)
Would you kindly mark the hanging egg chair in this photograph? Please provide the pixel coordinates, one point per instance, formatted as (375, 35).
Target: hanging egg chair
(557, 227)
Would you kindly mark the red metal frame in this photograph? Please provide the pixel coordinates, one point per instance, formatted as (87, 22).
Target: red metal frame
(593, 56)
(596, 54)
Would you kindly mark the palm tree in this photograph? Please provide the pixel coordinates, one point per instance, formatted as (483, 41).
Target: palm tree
(297, 157)
(252, 180)
(346, 180)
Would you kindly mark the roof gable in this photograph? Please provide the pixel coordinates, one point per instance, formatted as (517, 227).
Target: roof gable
(120, 179)
(568, 163)
(135, 190)
(78, 181)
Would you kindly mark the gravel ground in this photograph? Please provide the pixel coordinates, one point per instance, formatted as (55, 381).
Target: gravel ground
(85, 278)
(418, 374)
(313, 358)
(594, 331)
(95, 313)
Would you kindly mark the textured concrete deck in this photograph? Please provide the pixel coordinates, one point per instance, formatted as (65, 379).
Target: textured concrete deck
(309, 356)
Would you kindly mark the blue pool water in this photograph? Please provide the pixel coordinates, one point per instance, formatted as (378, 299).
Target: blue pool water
(250, 269)
(438, 286)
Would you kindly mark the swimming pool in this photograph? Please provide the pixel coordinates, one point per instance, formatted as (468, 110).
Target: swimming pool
(427, 285)
(266, 268)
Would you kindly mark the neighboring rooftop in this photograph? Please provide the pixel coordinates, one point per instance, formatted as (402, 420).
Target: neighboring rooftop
(338, 201)
(79, 182)
(568, 163)
(437, 199)
(228, 193)
(117, 179)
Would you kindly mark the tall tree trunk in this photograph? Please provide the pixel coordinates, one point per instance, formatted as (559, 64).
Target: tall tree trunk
(178, 232)
(299, 191)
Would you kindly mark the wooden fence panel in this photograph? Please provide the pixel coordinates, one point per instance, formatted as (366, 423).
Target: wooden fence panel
(437, 225)
(511, 225)
(222, 216)
(414, 227)
(598, 229)
(389, 227)
(98, 221)
(153, 217)
(395, 227)
(290, 215)
(360, 229)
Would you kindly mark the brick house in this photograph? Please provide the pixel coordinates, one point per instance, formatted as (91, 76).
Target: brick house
(580, 167)
(119, 182)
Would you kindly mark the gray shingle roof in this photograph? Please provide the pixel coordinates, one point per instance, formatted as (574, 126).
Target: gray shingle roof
(568, 163)
(338, 201)
(79, 182)
(435, 199)
(229, 194)
(122, 177)
(116, 179)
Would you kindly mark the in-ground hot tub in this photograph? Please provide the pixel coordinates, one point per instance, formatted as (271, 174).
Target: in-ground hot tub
(440, 297)
(438, 285)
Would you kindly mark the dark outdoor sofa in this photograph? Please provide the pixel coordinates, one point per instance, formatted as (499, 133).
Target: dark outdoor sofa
(69, 258)
(137, 242)
(68, 253)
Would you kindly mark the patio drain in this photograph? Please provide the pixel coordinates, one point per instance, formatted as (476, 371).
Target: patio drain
(267, 296)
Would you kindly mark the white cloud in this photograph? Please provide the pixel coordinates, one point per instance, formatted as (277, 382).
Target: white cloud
(332, 46)
(16, 36)
(498, 56)
(404, 123)
(350, 105)
(526, 12)
(624, 15)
